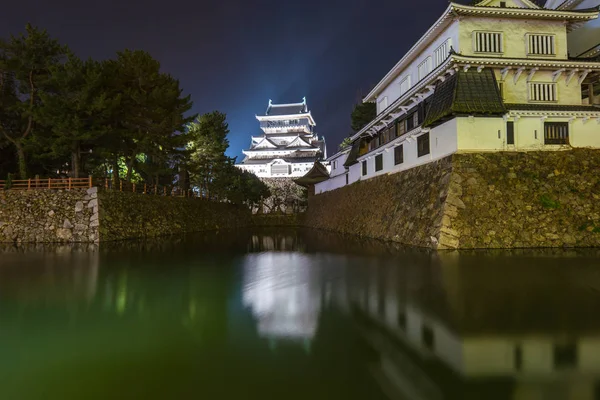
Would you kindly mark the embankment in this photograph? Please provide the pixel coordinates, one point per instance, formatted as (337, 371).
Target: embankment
(131, 215)
(483, 200)
(89, 216)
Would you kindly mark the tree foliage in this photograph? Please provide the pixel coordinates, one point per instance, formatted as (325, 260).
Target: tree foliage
(121, 118)
(211, 171)
(345, 143)
(362, 114)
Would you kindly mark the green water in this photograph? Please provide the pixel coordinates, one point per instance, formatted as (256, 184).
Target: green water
(292, 314)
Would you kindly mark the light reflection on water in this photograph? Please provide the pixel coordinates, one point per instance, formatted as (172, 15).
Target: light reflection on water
(296, 314)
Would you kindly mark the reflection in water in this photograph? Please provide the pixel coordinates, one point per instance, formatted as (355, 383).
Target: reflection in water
(201, 316)
(282, 289)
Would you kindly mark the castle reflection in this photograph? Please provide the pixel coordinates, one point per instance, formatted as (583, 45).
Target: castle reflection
(478, 325)
(283, 292)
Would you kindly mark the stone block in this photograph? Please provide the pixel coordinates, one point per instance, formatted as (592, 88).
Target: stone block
(64, 234)
(92, 190)
(79, 206)
(67, 224)
(94, 217)
(93, 203)
(94, 223)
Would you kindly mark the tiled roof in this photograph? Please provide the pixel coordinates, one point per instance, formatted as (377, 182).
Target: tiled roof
(552, 107)
(291, 160)
(470, 92)
(318, 173)
(284, 147)
(287, 109)
(354, 153)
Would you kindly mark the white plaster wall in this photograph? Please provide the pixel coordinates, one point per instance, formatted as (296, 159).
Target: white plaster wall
(488, 356)
(298, 170)
(341, 159)
(354, 173)
(581, 134)
(481, 133)
(519, 93)
(392, 91)
(331, 184)
(589, 354)
(442, 141)
(514, 31)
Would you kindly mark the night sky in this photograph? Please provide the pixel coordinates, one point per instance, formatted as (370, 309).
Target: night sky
(235, 55)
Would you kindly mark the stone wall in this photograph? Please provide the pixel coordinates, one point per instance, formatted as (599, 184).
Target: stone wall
(406, 207)
(49, 216)
(479, 200)
(89, 216)
(533, 199)
(132, 215)
(286, 197)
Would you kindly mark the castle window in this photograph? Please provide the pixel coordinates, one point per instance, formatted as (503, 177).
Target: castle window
(382, 104)
(488, 42)
(364, 167)
(335, 164)
(379, 162)
(540, 45)
(423, 145)
(556, 133)
(542, 92)
(399, 155)
(401, 128)
(405, 85)
(565, 355)
(424, 68)
(441, 53)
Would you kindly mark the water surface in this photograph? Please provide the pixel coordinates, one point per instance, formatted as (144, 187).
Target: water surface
(296, 314)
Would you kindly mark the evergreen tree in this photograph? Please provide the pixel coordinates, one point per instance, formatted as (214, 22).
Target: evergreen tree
(362, 114)
(74, 111)
(25, 64)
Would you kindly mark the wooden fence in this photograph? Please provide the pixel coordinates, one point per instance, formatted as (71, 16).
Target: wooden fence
(47, 183)
(86, 183)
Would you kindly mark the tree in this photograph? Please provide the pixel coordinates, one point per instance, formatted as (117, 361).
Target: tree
(148, 127)
(25, 64)
(208, 146)
(74, 111)
(362, 114)
(345, 143)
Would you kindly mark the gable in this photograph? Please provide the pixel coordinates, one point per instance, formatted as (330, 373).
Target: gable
(298, 142)
(265, 144)
(509, 3)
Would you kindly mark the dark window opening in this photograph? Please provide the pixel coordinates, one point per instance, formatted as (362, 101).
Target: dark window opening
(410, 121)
(346, 179)
(423, 145)
(399, 155)
(364, 167)
(402, 320)
(503, 4)
(510, 132)
(518, 358)
(428, 337)
(379, 162)
(565, 355)
(556, 133)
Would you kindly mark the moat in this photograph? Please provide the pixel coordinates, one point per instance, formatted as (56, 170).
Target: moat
(296, 314)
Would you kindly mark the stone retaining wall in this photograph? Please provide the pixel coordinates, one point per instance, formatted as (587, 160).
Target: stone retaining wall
(89, 216)
(132, 215)
(49, 216)
(483, 200)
